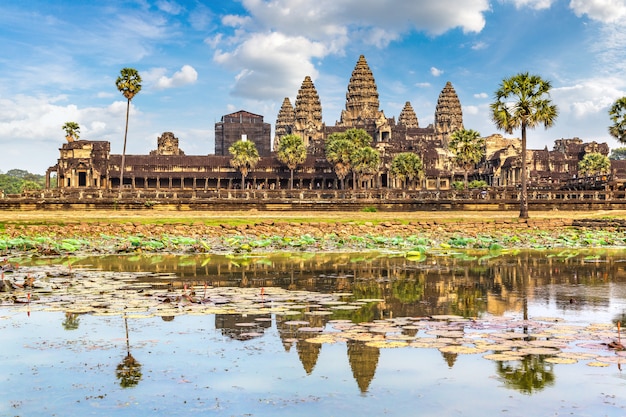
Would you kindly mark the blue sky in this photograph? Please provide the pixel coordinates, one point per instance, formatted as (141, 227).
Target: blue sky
(200, 60)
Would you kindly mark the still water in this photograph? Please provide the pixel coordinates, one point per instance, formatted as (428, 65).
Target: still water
(317, 335)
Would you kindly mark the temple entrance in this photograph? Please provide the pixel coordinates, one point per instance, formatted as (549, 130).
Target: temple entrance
(82, 179)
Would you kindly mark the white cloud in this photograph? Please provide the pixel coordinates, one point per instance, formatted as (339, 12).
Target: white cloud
(481, 95)
(470, 110)
(479, 45)
(271, 65)
(533, 4)
(422, 85)
(170, 7)
(436, 72)
(607, 11)
(273, 47)
(324, 18)
(186, 75)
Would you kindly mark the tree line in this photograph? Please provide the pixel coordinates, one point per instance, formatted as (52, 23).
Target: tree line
(17, 181)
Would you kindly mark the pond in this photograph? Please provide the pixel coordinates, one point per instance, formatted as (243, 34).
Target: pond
(514, 333)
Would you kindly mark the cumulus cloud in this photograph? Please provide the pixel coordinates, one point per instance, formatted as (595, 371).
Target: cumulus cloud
(271, 65)
(186, 75)
(481, 95)
(436, 72)
(606, 11)
(479, 45)
(276, 43)
(423, 85)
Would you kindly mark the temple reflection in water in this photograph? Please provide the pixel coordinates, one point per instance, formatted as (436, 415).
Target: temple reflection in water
(466, 284)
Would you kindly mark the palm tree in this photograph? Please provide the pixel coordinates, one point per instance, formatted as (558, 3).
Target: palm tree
(129, 84)
(129, 370)
(468, 149)
(338, 152)
(244, 158)
(365, 162)
(594, 163)
(408, 167)
(72, 131)
(618, 117)
(291, 152)
(522, 101)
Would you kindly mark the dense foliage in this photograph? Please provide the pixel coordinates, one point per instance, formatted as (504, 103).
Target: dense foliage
(15, 181)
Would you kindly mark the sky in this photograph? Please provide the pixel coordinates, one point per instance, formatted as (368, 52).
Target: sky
(203, 59)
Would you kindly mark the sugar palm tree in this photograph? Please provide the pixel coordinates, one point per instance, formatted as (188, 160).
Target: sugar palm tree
(245, 156)
(338, 152)
(365, 162)
(468, 149)
(522, 102)
(72, 131)
(594, 163)
(291, 152)
(618, 117)
(129, 84)
(407, 166)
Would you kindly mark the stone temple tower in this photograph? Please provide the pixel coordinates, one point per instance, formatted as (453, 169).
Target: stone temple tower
(285, 121)
(448, 114)
(308, 113)
(362, 96)
(408, 118)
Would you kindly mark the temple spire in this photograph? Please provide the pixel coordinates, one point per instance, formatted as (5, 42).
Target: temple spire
(362, 96)
(448, 114)
(308, 112)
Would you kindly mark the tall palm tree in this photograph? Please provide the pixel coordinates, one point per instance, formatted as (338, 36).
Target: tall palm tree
(468, 149)
(72, 131)
(338, 152)
(291, 152)
(129, 84)
(245, 156)
(407, 166)
(365, 162)
(618, 117)
(594, 163)
(522, 101)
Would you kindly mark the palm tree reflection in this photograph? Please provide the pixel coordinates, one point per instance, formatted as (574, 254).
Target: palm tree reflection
(129, 370)
(528, 375)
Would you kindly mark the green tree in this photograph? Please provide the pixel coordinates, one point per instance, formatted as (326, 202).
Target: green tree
(408, 167)
(618, 154)
(72, 131)
(365, 162)
(30, 186)
(617, 113)
(468, 149)
(594, 163)
(129, 84)
(358, 137)
(522, 102)
(338, 152)
(244, 158)
(291, 152)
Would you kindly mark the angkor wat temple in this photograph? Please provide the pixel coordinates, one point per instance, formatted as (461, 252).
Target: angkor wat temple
(90, 164)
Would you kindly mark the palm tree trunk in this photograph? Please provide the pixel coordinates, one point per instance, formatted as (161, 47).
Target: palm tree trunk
(523, 213)
(124, 149)
(465, 177)
(291, 179)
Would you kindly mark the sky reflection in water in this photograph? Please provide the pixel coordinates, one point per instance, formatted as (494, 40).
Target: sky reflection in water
(60, 364)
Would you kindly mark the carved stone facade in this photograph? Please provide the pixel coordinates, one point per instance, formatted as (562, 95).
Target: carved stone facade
(167, 144)
(308, 113)
(448, 114)
(408, 118)
(285, 122)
